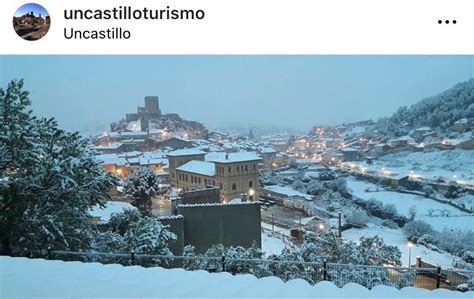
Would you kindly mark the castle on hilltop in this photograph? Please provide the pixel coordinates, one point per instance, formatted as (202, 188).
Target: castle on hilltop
(145, 114)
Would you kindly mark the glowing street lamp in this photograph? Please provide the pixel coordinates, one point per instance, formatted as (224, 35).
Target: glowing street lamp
(251, 192)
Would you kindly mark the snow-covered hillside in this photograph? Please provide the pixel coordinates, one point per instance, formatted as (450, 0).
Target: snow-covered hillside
(457, 165)
(423, 206)
(30, 278)
(396, 237)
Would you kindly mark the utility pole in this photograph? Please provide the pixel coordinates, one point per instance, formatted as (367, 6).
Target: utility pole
(340, 225)
(273, 226)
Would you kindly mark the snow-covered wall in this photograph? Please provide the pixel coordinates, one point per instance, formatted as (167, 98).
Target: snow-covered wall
(34, 278)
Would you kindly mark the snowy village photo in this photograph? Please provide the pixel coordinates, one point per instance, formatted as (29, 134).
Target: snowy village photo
(237, 176)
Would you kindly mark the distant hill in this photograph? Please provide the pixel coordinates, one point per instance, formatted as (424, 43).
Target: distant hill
(438, 112)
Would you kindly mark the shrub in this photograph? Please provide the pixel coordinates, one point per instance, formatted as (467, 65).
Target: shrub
(417, 229)
(358, 217)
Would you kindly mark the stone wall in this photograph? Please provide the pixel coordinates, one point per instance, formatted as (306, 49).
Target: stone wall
(176, 225)
(229, 224)
(209, 195)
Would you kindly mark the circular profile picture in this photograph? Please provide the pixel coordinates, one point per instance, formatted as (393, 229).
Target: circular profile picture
(31, 21)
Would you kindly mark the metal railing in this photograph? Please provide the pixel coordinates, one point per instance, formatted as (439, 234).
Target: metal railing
(313, 272)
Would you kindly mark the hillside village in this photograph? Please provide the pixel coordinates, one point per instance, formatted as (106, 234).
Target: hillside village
(30, 26)
(352, 178)
(400, 182)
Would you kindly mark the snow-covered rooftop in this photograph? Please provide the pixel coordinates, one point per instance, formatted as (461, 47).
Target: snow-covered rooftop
(349, 149)
(199, 167)
(220, 157)
(28, 278)
(186, 152)
(145, 158)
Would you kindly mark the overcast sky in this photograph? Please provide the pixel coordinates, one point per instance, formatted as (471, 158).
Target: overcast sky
(84, 92)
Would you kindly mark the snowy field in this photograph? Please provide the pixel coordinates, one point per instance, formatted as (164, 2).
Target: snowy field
(396, 237)
(403, 202)
(455, 164)
(30, 278)
(271, 245)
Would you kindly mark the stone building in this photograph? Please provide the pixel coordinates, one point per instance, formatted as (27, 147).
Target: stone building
(235, 174)
(151, 110)
(179, 157)
(174, 143)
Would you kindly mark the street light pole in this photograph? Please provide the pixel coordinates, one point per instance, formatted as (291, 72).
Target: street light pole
(410, 245)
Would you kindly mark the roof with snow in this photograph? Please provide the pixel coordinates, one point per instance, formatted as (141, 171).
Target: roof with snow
(28, 278)
(185, 152)
(349, 149)
(267, 150)
(220, 157)
(145, 158)
(199, 167)
(423, 129)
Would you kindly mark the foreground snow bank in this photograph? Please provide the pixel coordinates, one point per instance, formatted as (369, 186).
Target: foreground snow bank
(28, 278)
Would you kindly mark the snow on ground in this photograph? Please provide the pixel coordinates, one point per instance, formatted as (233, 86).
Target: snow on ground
(455, 164)
(281, 230)
(27, 278)
(396, 237)
(271, 245)
(287, 191)
(403, 202)
(112, 207)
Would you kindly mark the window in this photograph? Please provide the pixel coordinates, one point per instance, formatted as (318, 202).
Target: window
(199, 180)
(237, 168)
(254, 167)
(220, 186)
(229, 169)
(246, 168)
(205, 182)
(234, 186)
(250, 184)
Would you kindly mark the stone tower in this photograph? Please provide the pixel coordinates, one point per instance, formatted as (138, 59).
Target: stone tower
(152, 106)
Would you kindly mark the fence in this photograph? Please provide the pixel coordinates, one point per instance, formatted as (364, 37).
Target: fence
(340, 274)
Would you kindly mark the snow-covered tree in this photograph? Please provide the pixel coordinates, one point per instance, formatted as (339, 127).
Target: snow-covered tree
(340, 185)
(118, 126)
(130, 231)
(50, 180)
(358, 218)
(299, 185)
(412, 213)
(236, 260)
(141, 185)
(428, 190)
(314, 187)
(417, 229)
(119, 223)
(148, 236)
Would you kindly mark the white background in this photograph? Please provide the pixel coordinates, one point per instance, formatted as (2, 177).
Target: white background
(261, 27)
